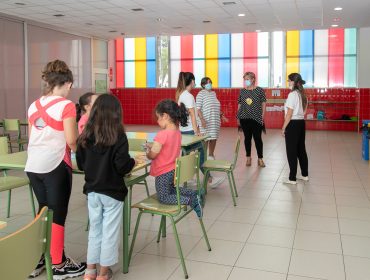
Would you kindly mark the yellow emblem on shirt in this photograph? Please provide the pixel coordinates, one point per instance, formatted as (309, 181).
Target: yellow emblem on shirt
(249, 101)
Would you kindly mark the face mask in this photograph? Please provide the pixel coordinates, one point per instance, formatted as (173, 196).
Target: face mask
(208, 86)
(248, 83)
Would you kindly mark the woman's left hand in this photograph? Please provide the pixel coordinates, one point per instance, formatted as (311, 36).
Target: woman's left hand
(283, 132)
(224, 119)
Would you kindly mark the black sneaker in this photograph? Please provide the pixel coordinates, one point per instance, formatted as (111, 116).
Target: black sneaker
(39, 268)
(69, 269)
(198, 207)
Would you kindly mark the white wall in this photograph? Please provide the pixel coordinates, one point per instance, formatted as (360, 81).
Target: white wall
(363, 58)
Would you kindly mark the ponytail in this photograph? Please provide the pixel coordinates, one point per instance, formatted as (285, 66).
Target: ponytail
(78, 112)
(183, 115)
(298, 86)
(177, 113)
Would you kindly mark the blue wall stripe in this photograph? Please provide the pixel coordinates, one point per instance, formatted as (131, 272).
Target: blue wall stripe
(306, 52)
(151, 63)
(224, 62)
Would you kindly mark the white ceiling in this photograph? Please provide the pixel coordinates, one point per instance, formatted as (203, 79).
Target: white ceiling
(96, 18)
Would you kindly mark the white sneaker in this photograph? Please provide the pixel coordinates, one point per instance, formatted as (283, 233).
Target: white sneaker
(192, 183)
(303, 178)
(216, 181)
(210, 158)
(289, 182)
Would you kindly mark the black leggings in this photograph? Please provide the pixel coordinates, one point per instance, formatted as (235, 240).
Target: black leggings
(252, 128)
(295, 135)
(53, 190)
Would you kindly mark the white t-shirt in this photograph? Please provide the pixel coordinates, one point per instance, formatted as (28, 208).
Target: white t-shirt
(294, 102)
(188, 99)
(47, 146)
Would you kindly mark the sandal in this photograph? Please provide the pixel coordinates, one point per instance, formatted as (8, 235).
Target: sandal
(261, 163)
(249, 161)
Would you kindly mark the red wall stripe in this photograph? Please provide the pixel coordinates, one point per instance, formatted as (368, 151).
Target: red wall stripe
(250, 52)
(336, 57)
(187, 53)
(120, 72)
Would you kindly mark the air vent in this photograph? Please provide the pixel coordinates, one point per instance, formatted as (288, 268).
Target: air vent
(59, 15)
(20, 4)
(137, 9)
(88, 23)
(228, 3)
(112, 31)
(177, 27)
(206, 21)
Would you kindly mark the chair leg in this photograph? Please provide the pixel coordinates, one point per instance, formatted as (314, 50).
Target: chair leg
(160, 230)
(205, 180)
(205, 234)
(232, 177)
(164, 227)
(146, 188)
(32, 201)
(134, 237)
(49, 271)
(231, 188)
(129, 208)
(9, 200)
(178, 245)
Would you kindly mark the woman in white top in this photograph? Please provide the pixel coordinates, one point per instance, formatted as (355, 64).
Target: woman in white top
(294, 128)
(52, 136)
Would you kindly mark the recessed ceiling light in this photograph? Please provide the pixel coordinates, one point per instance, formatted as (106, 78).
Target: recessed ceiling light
(338, 8)
(241, 15)
(334, 25)
(206, 21)
(336, 19)
(112, 31)
(177, 27)
(20, 4)
(258, 30)
(159, 19)
(137, 9)
(229, 3)
(122, 33)
(58, 15)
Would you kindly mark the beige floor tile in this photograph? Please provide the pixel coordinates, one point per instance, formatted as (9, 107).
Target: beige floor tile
(223, 252)
(352, 200)
(267, 258)
(239, 215)
(249, 203)
(143, 238)
(280, 206)
(230, 231)
(244, 273)
(273, 236)
(354, 227)
(314, 209)
(318, 198)
(318, 241)
(201, 271)
(167, 246)
(357, 268)
(286, 196)
(315, 264)
(354, 213)
(356, 246)
(268, 218)
(317, 223)
(294, 277)
(190, 226)
(350, 191)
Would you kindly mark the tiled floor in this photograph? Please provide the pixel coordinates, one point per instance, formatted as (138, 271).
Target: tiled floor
(317, 230)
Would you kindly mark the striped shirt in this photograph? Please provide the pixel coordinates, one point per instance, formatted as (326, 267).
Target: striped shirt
(210, 107)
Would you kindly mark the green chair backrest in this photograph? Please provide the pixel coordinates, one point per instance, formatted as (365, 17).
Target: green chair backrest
(4, 145)
(236, 151)
(186, 167)
(11, 125)
(21, 251)
(136, 145)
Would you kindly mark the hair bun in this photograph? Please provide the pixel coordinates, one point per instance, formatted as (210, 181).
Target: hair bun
(56, 66)
(303, 82)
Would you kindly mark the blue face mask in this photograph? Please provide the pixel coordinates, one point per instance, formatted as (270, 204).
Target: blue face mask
(208, 86)
(248, 83)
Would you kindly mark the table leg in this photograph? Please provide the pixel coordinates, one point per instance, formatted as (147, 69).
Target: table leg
(126, 225)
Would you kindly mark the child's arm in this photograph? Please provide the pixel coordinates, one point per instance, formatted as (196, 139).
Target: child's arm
(122, 160)
(153, 150)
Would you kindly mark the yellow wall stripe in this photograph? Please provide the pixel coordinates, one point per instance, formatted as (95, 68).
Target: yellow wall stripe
(140, 62)
(292, 52)
(211, 58)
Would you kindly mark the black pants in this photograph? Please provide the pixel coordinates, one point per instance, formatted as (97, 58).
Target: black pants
(252, 128)
(53, 190)
(295, 135)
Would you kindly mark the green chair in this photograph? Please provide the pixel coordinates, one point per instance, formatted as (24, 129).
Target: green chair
(8, 183)
(224, 166)
(12, 130)
(186, 167)
(22, 250)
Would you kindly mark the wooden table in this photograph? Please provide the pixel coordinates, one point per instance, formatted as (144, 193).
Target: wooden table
(2, 224)
(17, 161)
